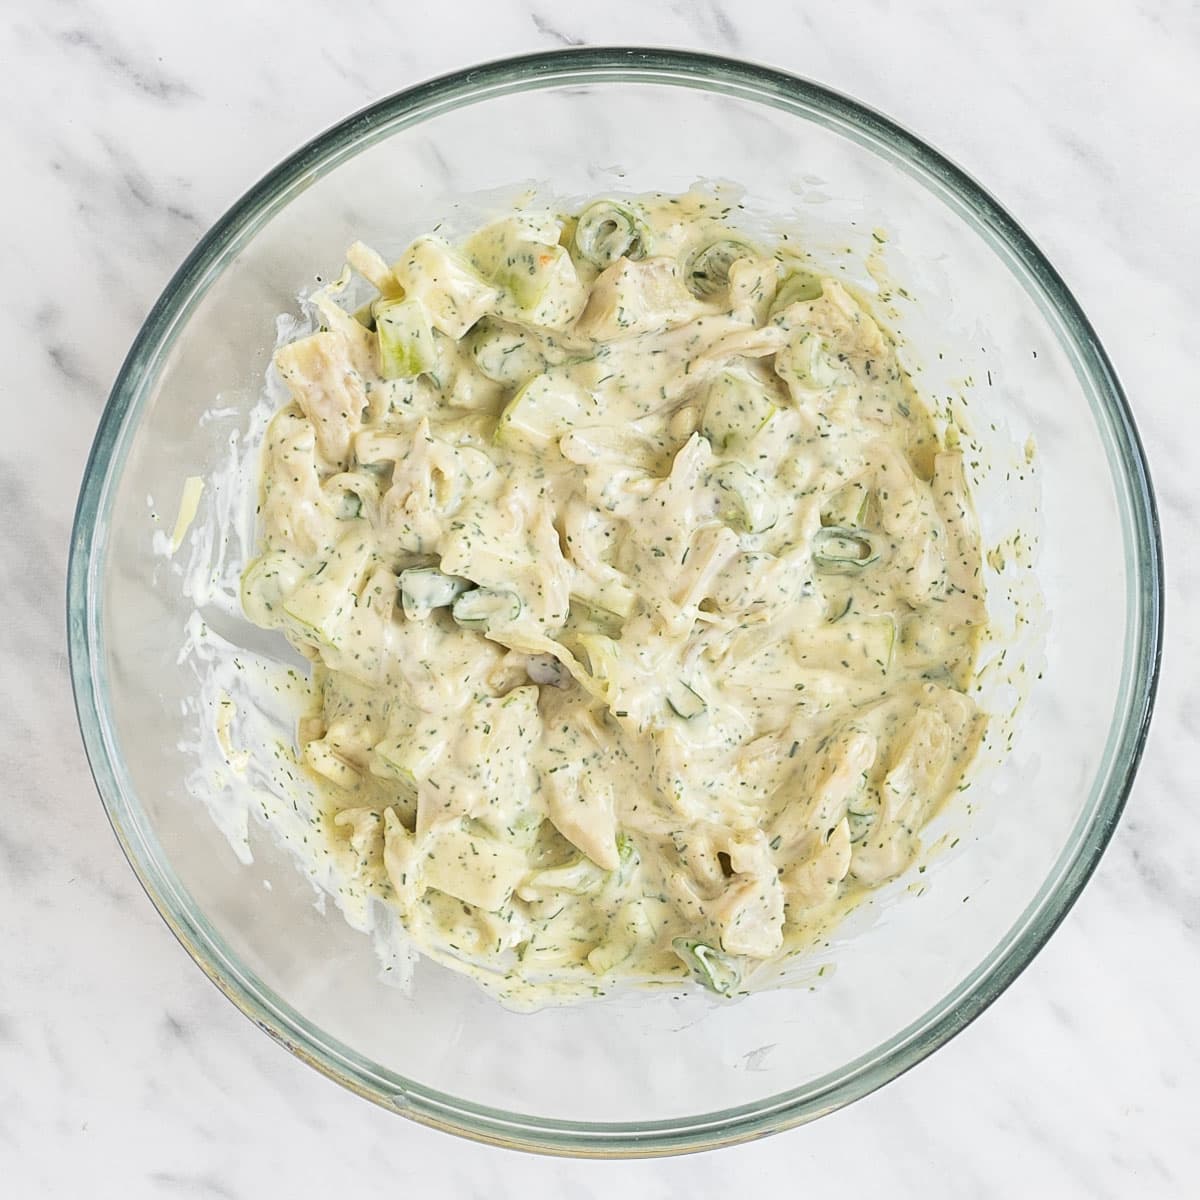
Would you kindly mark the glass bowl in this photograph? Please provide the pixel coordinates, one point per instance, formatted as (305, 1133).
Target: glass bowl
(991, 331)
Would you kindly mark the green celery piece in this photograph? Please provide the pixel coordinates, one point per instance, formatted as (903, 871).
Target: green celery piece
(454, 295)
(483, 608)
(542, 285)
(710, 968)
(797, 287)
(735, 409)
(848, 507)
(406, 345)
(606, 603)
(744, 501)
(843, 550)
(413, 756)
(707, 272)
(505, 355)
(321, 601)
(608, 230)
(422, 589)
(542, 411)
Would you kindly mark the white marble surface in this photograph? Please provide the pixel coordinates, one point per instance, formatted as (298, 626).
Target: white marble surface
(128, 127)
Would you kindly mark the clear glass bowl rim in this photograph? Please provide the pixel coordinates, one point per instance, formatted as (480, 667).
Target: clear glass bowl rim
(167, 319)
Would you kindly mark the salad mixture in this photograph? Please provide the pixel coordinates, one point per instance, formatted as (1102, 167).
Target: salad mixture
(642, 595)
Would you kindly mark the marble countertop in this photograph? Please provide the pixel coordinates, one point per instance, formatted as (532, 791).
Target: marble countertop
(129, 126)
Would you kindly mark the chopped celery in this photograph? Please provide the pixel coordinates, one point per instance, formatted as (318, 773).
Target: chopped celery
(743, 499)
(542, 411)
(484, 608)
(843, 550)
(628, 859)
(630, 928)
(406, 347)
(536, 277)
(422, 589)
(807, 364)
(601, 652)
(608, 230)
(603, 662)
(601, 655)
(504, 354)
(605, 601)
(604, 612)
(444, 282)
(491, 247)
(848, 507)
(797, 287)
(539, 285)
(849, 640)
(735, 409)
(685, 701)
(578, 877)
(412, 758)
(710, 968)
(330, 592)
(626, 851)
(707, 271)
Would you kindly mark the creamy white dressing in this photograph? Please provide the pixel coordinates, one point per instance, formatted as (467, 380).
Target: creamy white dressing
(642, 594)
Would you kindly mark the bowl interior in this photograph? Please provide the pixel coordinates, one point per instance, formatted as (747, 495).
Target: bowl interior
(993, 338)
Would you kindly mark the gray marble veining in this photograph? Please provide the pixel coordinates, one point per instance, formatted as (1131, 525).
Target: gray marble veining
(128, 128)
